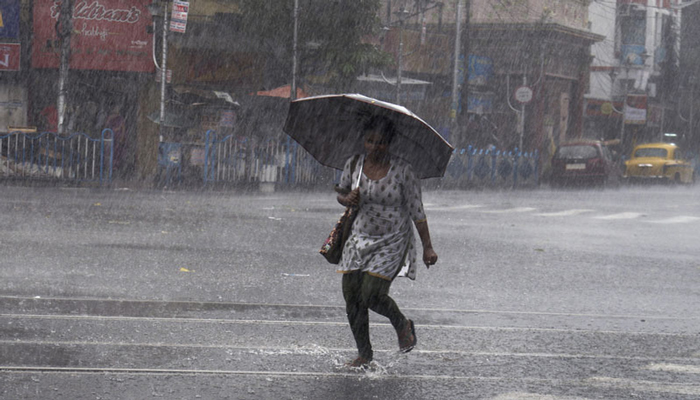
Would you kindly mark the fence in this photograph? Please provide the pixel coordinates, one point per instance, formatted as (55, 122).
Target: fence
(473, 167)
(236, 159)
(47, 155)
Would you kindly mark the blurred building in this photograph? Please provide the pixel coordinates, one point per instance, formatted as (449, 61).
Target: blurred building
(688, 128)
(633, 92)
(539, 49)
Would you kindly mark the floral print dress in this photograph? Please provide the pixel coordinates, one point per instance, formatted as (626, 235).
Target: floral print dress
(382, 242)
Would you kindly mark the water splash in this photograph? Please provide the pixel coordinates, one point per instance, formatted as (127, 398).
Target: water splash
(309, 350)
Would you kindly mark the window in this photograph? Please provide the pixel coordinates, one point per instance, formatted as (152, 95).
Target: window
(633, 27)
(582, 152)
(651, 152)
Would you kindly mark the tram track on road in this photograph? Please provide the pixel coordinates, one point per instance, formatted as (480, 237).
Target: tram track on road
(55, 340)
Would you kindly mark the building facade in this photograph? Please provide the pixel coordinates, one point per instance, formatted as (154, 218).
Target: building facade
(634, 71)
(526, 73)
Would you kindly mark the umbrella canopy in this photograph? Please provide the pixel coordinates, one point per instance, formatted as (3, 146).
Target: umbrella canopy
(330, 128)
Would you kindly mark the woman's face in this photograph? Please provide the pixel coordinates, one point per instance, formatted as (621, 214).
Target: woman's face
(376, 145)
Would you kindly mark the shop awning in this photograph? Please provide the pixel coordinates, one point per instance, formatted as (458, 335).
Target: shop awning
(282, 91)
(194, 97)
(384, 88)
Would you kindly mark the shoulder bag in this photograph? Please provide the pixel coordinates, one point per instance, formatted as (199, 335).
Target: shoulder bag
(332, 248)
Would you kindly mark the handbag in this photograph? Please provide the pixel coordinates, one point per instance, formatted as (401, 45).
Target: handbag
(332, 248)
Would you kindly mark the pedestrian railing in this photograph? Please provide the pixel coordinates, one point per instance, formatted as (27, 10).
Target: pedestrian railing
(237, 159)
(47, 155)
(240, 159)
(472, 167)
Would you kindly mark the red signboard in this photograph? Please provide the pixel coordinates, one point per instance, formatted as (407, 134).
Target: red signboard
(9, 56)
(107, 35)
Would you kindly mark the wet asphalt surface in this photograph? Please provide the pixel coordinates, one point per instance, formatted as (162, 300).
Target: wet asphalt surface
(567, 294)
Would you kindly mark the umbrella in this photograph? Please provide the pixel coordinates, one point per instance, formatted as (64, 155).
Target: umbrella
(330, 128)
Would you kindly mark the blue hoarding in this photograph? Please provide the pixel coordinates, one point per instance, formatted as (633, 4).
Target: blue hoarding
(9, 19)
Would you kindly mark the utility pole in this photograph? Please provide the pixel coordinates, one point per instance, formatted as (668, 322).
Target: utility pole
(288, 173)
(293, 88)
(689, 137)
(400, 57)
(163, 72)
(466, 50)
(521, 126)
(64, 33)
(455, 73)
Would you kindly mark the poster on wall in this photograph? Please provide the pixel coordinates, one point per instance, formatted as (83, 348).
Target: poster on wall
(108, 35)
(9, 56)
(9, 20)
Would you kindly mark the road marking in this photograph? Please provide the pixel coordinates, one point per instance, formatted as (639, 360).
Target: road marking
(624, 215)
(323, 323)
(452, 208)
(510, 210)
(643, 386)
(682, 219)
(604, 382)
(566, 213)
(315, 350)
(686, 369)
(191, 304)
(534, 396)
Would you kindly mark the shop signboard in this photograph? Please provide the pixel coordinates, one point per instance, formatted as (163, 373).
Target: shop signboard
(636, 110)
(178, 19)
(480, 103)
(480, 70)
(228, 119)
(9, 20)
(110, 35)
(633, 54)
(9, 56)
(655, 115)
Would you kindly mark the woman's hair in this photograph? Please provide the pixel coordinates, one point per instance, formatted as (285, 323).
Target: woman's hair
(382, 125)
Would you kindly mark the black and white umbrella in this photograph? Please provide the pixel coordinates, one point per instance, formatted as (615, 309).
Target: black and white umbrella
(330, 128)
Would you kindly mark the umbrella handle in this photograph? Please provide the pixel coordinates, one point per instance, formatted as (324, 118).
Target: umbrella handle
(359, 173)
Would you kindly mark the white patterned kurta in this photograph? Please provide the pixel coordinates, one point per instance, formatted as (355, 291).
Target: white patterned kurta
(382, 242)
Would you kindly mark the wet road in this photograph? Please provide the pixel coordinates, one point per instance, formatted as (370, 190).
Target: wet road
(538, 294)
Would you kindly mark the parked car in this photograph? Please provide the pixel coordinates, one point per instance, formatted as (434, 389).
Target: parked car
(659, 162)
(584, 162)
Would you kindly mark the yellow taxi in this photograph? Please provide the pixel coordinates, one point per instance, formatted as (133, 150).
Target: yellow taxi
(659, 161)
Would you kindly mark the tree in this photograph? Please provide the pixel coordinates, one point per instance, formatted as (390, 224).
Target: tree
(332, 37)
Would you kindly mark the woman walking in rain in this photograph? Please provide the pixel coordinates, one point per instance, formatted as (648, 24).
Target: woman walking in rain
(382, 245)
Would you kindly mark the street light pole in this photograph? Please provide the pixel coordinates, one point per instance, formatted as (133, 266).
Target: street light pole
(293, 86)
(400, 59)
(66, 28)
(455, 71)
(163, 72)
(693, 81)
(624, 116)
(623, 112)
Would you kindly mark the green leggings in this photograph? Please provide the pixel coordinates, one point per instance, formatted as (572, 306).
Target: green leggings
(363, 292)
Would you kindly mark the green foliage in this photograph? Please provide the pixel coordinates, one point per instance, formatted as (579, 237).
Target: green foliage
(330, 36)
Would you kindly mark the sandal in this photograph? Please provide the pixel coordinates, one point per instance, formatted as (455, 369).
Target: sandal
(407, 338)
(359, 362)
